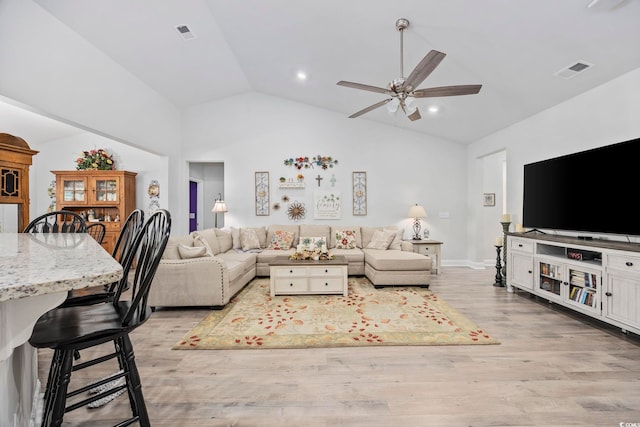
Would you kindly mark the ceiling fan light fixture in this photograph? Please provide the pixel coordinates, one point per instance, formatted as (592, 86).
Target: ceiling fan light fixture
(402, 90)
(433, 109)
(392, 106)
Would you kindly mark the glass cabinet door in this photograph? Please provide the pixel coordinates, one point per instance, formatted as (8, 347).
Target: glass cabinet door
(583, 287)
(106, 190)
(550, 278)
(74, 191)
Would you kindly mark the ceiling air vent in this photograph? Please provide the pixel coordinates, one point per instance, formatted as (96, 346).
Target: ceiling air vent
(573, 69)
(185, 32)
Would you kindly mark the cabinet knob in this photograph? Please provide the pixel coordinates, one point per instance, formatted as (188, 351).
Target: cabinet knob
(291, 271)
(608, 294)
(290, 284)
(326, 271)
(628, 264)
(326, 284)
(519, 245)
(529, 271)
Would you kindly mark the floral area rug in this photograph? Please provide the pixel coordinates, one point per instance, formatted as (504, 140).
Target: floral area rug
(367, 317)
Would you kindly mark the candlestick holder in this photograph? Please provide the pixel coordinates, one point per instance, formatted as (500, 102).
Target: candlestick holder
(505, 230)
(498, 281)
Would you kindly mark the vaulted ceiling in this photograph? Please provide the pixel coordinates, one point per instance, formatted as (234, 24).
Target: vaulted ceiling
(513, 48)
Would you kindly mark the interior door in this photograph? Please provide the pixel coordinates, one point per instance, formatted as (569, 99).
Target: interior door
(193, 206)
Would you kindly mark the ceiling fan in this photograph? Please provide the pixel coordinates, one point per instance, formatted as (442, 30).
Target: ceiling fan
(402, 89)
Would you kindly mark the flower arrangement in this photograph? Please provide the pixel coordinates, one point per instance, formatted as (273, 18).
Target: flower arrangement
(314, 254)
(300, 177)
(98, 159)
(324, 162)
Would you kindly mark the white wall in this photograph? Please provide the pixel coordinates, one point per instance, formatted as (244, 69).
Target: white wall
(61, 154)
(45, 65)
(603, 116)
(255, 132)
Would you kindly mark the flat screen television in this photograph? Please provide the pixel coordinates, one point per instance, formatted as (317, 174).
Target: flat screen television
(593, 191)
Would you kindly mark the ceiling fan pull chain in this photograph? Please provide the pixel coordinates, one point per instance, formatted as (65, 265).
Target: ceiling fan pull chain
(401, 55)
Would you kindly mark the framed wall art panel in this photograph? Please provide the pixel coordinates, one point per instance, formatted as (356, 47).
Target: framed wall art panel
(262, 193)
(359, 180)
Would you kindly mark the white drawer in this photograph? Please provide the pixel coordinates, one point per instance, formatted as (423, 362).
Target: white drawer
(325, 271)
(624, 263)
(291, 272)
(329, 284)
(520, 245)
(295, 284)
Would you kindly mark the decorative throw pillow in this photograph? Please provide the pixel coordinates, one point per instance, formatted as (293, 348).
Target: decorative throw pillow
(396, 243)
(249, 239)
(199, 241)
(381, 240)
(311, 243)
(281, 240)
(345, 239)
(187, 252)
(235, 236)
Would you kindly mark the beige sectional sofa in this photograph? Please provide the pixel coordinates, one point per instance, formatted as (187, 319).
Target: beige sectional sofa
(208, 267)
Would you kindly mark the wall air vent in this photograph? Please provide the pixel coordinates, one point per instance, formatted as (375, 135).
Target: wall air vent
(185, 32)
(573, 69)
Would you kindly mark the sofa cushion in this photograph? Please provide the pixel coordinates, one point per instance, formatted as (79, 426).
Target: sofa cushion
(225, 240)
(381, 240)
(235, 236)
(261, 232)
(396, 244)
(210, 236)
(310, 243)
(281, 240)
(199, 241)
(346, 237)
(249, 239)
(352, 255)
(238, 263)
(171, 250)
(187, 252)
(271, 229)
(367, 234)
(310, 230)
(396, 260)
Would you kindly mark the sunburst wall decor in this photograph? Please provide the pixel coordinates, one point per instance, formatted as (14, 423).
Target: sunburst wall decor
(296, 211)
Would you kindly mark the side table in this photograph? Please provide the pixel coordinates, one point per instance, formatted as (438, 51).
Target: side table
(430, 248)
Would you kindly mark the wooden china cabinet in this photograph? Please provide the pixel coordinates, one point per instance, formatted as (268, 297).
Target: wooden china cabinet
(100, 196)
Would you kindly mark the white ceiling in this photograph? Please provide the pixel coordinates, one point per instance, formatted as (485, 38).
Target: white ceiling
(512, 48)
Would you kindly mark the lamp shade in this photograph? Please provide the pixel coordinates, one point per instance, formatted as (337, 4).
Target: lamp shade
(417, 211)
(219, 206)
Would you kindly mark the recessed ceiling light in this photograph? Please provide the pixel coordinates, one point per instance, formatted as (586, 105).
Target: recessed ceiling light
(301, 75)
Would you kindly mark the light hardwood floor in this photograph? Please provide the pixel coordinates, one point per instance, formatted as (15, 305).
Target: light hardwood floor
(552, 368)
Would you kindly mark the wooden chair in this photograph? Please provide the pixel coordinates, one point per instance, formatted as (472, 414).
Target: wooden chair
(70, 329)
(57, 222)
(97, 230)
(121, 252)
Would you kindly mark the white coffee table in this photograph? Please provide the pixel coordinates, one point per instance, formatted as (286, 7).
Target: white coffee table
(307, 277)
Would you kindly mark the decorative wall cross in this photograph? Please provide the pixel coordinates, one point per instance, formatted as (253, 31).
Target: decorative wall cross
(319, 178)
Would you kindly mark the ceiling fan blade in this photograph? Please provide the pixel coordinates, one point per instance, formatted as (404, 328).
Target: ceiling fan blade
(423, 69)
(415, 115)
(446, 91)
(370, 108)
(364, 87)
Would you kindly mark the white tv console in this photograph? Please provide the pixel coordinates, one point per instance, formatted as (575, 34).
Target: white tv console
(604, 284)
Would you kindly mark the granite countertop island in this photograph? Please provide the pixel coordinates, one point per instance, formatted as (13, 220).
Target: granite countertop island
(36, 273)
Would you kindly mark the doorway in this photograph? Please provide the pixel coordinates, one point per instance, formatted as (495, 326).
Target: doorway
(206, 181)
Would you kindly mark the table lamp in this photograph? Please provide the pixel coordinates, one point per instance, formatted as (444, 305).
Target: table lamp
(416, 212)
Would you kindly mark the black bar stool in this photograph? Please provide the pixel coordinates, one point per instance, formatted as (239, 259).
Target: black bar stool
(70, 329)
